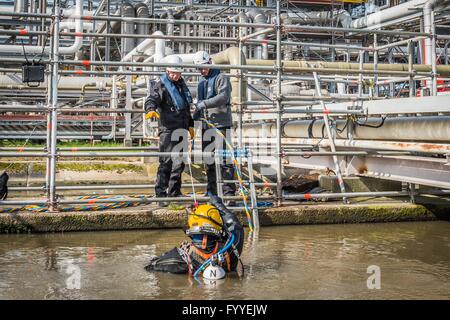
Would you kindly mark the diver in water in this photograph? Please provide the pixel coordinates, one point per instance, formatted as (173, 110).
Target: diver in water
(217, 237)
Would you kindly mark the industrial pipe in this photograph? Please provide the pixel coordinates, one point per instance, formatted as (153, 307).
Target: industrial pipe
(62, 50)
(145, 48)
(142, 28)
(231, 56)
(431, 128)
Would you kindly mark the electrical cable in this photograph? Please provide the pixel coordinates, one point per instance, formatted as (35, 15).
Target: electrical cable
(371, 126)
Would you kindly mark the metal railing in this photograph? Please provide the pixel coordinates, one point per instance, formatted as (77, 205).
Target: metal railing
(278, 71)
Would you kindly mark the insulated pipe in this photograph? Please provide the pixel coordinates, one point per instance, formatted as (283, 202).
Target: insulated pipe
(432, 128)
(200, 31)
(78, 28)
(142, 27)
(243, 30)
(258, 17)
(160, 48)
(170, 26)
(232, 56)
(430, 48)
(144, 49)
(71, 23)
(127, 11)
(20, 5)
(290, 66)
(62, 50)
(12, 82)
(390, 14)
(342, 16)
(190, 16)
(288, 50)
(294, 90)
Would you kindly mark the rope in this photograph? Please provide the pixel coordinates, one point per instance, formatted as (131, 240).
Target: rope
(88, 207)
(192, 177)
(242, 188)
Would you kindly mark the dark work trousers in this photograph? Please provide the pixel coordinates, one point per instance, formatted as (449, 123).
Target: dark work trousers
(229, 189)
(168, 179)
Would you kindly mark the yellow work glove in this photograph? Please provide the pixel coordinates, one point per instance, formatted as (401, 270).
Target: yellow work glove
(152, 115)
(192, 132)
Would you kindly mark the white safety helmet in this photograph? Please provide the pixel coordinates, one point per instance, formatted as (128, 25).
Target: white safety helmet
(175, 62)
(202, 57)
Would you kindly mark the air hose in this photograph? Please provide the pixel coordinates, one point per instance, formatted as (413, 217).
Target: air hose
(242, 188)
(221, 251)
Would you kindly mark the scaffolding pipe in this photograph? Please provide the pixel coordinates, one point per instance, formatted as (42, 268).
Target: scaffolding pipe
(127, 186)
(54, 110)
(279, 106)
(152, 199)
(331, 137)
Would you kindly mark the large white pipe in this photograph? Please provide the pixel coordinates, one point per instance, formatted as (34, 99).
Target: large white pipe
(15, 82)
(377, 18)
(342, 16)
(428, 27)
(145, 48)
(258, 16)
(430, 128)
(142, 27)
(428, 20)
(233, 56)
(21, 6)
(62, 50)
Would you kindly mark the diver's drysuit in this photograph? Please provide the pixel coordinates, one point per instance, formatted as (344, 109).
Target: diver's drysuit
(188, 257)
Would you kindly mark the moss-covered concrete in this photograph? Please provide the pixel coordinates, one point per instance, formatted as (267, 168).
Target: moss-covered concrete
(151, 217)
(39, 168)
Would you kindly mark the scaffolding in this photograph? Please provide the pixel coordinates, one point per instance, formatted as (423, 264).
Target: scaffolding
(357, 84)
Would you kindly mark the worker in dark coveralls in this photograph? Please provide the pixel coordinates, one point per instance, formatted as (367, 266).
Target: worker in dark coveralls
(214, 105)
(169, 101)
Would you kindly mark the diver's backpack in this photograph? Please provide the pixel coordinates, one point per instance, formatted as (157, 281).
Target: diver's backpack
(4, 186)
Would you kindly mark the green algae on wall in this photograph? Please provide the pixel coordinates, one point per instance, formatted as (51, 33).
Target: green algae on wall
(39, 168)
(156, 218)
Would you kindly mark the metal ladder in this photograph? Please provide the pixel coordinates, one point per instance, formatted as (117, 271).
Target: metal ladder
(247, 156)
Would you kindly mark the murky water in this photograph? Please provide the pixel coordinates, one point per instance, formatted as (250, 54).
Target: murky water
(292, 262)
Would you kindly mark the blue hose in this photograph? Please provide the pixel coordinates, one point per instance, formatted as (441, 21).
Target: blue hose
(223, 250)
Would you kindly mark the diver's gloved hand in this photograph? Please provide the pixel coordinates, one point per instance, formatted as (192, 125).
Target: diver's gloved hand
(217, 202)
(191, 132)
(152, 115)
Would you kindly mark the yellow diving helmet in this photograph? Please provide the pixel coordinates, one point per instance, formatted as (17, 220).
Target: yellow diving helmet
(205, 219)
